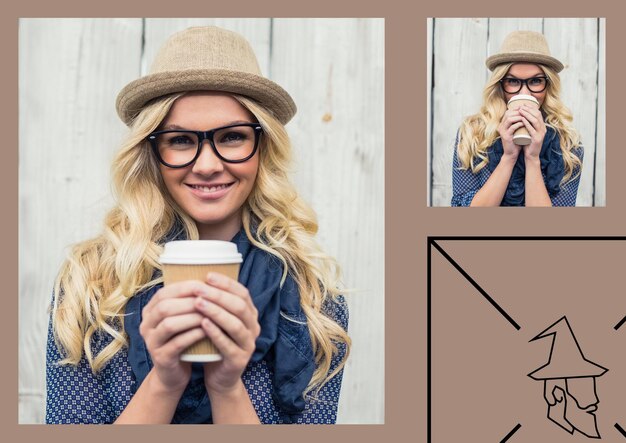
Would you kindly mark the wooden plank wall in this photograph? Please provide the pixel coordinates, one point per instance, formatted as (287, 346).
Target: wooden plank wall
(70, 71)
(459, 49)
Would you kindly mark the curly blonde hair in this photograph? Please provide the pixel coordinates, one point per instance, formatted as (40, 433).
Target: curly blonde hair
(479, 131)
(99, 275)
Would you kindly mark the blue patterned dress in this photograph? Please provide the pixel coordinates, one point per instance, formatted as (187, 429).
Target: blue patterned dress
(466, 184)
(275, 376)
(75, 395)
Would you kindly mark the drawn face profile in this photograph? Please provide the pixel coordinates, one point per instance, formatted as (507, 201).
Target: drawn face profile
(569, 382)
(572, 403)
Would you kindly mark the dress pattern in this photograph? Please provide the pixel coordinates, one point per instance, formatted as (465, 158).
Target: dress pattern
(465, 184)
(77, 396)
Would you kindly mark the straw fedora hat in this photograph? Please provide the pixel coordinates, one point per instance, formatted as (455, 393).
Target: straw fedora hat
(205, 58)
(524, 47)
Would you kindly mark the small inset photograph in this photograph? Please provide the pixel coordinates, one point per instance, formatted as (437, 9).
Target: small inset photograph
(516, 110)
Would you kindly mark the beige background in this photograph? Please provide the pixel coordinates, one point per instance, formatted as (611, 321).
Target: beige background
(480, 361)
(408, 220)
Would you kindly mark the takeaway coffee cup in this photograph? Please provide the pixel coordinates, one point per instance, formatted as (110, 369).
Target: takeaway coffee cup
(521, 136)
(192, 260)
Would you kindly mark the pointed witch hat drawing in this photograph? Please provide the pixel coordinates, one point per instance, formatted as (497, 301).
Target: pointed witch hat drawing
(566, 358)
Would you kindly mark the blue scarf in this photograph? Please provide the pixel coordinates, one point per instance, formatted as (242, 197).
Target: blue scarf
(289, 354)
(552, 167)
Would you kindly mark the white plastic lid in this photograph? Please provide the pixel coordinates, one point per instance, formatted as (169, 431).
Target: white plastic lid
(524, 97)
(200, 252)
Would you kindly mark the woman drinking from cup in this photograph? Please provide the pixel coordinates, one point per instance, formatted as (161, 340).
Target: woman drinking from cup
(520, 149)
(206, 158)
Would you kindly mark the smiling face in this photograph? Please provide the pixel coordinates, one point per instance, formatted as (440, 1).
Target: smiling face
(210, 191)
(524, 71)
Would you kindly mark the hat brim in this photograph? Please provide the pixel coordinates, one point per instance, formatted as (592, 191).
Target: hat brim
(582, 368)
(134, 96)
(524, 57)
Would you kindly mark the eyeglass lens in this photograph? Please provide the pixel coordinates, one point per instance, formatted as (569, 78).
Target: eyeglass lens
(514, 85)
(180, 147)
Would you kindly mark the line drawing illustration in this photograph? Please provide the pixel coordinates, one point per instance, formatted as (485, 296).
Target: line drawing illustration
(569, 381)
(476, 285)
(510, 434)
(569, 388)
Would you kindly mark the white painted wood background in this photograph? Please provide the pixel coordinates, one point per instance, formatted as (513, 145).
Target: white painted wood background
(457, 49)
(70, 71)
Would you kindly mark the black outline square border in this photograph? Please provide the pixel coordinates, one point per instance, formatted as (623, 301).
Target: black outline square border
(429, 243)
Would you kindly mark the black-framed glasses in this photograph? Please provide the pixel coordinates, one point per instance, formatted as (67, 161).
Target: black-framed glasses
(514, 85)
(179, 148)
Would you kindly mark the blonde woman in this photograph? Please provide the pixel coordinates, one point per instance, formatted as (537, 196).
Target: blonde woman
(206, 158)
(489, 169)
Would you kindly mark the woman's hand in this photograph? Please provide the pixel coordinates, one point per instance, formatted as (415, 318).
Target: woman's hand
(170, 323)
(511, 121)
(231, 322)
(533, 121)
